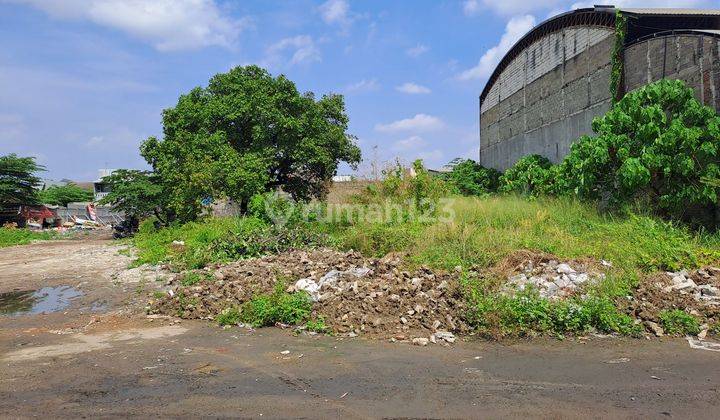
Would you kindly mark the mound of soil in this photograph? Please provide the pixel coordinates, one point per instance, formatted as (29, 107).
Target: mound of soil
(370, 297)
(695, 292)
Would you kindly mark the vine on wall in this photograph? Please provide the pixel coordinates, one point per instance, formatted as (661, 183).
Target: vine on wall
(616, 60)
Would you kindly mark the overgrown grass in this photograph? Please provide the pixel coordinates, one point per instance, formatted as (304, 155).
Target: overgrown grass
(13, 236)
(480, 234)
(217, 240)
(485, 230)
(266, 310)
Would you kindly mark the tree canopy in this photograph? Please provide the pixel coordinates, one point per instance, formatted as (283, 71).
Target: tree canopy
(18, 180)
(247, 133)
(135, 193)
(657, 145)
(61, 195)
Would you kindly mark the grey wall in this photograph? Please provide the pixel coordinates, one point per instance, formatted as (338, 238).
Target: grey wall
(694, 59)
(547, 97)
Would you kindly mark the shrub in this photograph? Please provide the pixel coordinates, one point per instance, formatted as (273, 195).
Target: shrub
(679, 322)
(470, 178)
(657, 145)
(532, 175)
(229, 316)
(268, 309)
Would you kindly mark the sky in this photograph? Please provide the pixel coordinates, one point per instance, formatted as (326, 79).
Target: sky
(84, 82)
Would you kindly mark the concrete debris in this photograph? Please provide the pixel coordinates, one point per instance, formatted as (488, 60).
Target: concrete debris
(420, 341)
(354, 295)
(696, 292)
(702, 344)
(551, 279)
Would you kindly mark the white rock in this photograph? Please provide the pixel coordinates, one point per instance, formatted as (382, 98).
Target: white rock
(445, 335)
(285, 352)
(420, 341)
(565, 269)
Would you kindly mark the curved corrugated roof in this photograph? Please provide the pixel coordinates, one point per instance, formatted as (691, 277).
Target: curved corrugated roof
(641, 24)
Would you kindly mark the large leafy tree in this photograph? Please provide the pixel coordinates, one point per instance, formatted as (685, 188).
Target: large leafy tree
(18, 180)
(61, 195)
(137, 194)
(657, 145)
(246, 133)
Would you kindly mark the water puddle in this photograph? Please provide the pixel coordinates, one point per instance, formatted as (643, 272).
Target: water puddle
(42, 301)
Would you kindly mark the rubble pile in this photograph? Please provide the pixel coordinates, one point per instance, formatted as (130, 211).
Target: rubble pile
(553, 280)
(354, 295)
(697, 292)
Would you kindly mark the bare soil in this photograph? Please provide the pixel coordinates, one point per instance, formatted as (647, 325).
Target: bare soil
(109, 359)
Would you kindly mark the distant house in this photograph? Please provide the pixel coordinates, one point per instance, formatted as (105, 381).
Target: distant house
(100, 188)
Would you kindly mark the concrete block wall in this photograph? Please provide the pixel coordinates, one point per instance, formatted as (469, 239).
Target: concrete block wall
(547, 96)
(693, 58)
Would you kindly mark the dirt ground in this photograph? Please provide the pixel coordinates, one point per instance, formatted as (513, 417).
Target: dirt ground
(101, 356)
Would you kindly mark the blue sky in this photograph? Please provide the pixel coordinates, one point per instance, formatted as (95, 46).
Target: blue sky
(83, 82)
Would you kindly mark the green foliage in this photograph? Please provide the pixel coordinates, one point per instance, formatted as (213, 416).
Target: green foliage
(656, 145)
(192, 278)
(62, 195)
(245, 134)
(217, 240)
(532, 175)
(617, 62)
(279, 307)
(18, 180)
(317, 325)
(137, 194)
(413, 192)
(471, 178)
(679, 322)
(13, 236)
(526, 313)
(229, 316)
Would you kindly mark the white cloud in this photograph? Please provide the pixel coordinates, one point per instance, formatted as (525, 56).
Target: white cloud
(508, 7)
(471, 7)
(417, 50)
(12, 127)
(302, 47)
(363, 86)
(410, 143)
(412, 89)
(336, 12)
(166, 24)
(420, 122)
(514, 30)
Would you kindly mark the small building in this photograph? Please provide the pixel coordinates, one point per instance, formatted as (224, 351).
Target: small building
(100, 188)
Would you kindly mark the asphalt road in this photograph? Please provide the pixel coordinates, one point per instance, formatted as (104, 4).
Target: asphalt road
(109, 360)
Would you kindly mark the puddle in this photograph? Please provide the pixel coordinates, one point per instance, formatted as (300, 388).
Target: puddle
(32, 302)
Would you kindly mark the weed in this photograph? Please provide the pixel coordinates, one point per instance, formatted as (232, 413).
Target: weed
(268, 309)
(317, 325)
(679, 322)
(229, 316)
(158, 294)
(194, 277)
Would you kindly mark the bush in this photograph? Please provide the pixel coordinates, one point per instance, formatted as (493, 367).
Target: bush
(679, 322)
(470, 178)
(267, 310)
(532, 175)
(656, 145)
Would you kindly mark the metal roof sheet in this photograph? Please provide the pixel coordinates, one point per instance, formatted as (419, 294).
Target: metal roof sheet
(673, 12)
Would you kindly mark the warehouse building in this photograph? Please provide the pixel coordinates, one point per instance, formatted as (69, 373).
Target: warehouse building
(546, 90)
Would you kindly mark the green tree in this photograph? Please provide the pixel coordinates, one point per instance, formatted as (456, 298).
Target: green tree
(471, 178)
(248, 133)
(137, 194)
(532, 175)
(657, 145)
(61, 195)
(18, 181)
